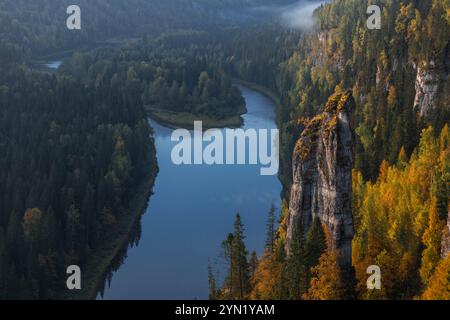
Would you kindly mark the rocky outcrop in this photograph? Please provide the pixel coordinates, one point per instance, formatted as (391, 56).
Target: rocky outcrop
(446, 239)
(428, 83)
(322, 175)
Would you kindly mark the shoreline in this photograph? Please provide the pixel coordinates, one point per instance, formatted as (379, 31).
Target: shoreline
(166, 118)
(185, 120)
(261, 89)
(277, 102)
(97, 266)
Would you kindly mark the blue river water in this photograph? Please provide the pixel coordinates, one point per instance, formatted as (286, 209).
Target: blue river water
(191, 212)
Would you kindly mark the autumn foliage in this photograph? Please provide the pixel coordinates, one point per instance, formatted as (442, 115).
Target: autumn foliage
(399, 219)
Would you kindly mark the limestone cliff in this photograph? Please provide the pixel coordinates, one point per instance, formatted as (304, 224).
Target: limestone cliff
(427, 84)
(431, 90)
(322, 174)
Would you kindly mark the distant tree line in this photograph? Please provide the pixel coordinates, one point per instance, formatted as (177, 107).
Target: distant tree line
(165, 74)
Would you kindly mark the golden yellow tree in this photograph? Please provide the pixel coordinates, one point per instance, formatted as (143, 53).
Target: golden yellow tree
(267, 278)
(432, 240)
(439, 284)
(326, 277)
(326, 280)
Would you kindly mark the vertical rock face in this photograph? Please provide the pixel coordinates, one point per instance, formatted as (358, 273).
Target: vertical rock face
(322, 175)
(427, 88)
(446, 239)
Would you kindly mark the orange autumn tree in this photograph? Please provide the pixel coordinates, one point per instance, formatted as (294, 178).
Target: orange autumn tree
(439, 283)
(326, 281)
(432, 240)
(268, 280)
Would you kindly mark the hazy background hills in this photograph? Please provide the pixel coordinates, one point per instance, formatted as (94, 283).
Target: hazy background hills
(41, 24)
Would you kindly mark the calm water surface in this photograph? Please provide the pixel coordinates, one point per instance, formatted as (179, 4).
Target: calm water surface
(189, 215)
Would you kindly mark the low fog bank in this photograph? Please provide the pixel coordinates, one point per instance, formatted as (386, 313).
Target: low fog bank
(294, 15)
(298, 15)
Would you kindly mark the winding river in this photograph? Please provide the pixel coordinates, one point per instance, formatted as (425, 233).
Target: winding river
(191, 212)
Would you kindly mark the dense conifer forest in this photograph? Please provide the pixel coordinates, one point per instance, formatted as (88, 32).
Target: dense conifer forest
(166, 75)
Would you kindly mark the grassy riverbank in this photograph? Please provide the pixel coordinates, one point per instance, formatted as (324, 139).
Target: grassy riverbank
(186, 120)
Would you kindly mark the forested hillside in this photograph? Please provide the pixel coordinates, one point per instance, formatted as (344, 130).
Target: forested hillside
(399, 78)
(39, 26)
(71, 158)
(383, 67)
(72, 155)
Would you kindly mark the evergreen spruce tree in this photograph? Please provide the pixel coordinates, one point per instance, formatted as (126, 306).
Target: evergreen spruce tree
(315, 246)
(213, 293)
(240, 283)
(296, 266)
(253, 263)
(271, 230)
(227, 255)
